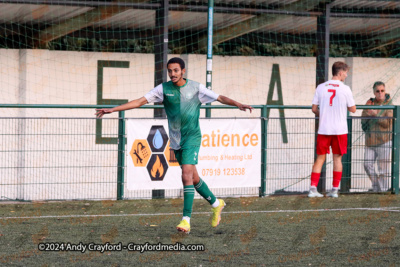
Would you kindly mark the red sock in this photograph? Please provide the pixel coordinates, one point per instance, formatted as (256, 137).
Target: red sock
(315, 178)
(337, 176)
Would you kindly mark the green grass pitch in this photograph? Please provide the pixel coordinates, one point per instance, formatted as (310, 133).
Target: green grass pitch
(359, 230)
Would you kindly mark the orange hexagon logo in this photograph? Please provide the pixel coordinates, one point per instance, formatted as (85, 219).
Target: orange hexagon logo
(140, 153)
(170, 156)
(157, 167)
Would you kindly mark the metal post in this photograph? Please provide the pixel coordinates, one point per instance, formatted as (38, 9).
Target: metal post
(121, 155)
(161, 50)
(345, 184)
(21, 145)
(161, 58)
(210, 22)
(322, 68)
(264, 128)
(395, 150)
(322, 56)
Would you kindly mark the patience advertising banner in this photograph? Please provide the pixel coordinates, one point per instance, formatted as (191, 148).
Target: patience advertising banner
(229, 157)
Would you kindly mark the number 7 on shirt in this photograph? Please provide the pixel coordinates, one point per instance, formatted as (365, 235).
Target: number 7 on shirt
(333, 91)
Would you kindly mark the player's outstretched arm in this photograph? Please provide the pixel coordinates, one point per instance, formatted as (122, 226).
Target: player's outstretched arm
(227, 101)
(130, 105)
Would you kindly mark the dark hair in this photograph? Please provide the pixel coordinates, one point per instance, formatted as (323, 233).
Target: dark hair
(376, 84)
(177, 60)
(338, 66)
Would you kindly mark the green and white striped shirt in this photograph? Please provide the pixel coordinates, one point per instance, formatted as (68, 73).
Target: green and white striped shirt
(182, 105)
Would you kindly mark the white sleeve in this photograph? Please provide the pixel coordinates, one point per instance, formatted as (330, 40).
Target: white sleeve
(155, 95)
(206, 95)
(350, 99)
(315, 100)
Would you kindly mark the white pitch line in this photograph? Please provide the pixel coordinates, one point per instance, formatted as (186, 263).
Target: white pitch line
(170, 214)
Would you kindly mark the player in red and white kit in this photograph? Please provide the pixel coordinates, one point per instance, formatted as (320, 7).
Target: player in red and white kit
(334, 99)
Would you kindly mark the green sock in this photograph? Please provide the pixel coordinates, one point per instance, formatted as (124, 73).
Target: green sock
(188, 197)
(205, 192)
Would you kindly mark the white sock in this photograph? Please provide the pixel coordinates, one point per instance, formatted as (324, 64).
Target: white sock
(313, 189)
(186, 218)
(215, 204)
(335, 189)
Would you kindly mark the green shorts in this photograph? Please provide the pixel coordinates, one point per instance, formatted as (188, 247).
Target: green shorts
(189, 155)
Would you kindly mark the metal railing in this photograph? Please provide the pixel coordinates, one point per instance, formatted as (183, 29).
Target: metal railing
(43, 158)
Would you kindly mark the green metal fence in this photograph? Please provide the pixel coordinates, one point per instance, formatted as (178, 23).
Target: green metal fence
(61, 158)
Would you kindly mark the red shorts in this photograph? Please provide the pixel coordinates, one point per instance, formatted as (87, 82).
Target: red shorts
(337, 142)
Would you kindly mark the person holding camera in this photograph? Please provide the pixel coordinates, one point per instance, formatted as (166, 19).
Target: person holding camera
(378, 138)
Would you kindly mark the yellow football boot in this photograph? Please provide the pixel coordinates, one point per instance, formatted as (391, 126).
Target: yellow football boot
(216, 218)
(183, 226)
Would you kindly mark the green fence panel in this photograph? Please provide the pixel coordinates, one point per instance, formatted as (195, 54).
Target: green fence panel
(51, 158)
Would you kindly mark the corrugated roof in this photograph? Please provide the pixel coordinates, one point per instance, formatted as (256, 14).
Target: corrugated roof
(359, 4)
(355, 4)
(143, 19)
(36, 14)
(178, 20)
(308, 25)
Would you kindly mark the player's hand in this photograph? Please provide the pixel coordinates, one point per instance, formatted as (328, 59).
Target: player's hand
(100, 112)
(244, 107)
(369, 102)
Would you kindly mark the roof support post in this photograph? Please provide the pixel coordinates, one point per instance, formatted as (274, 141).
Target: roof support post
(322, 71)
(161, 50)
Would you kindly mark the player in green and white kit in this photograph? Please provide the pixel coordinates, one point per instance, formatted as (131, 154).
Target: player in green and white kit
(182, 99)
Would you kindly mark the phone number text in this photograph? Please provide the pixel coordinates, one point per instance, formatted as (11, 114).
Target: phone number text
(224, 171)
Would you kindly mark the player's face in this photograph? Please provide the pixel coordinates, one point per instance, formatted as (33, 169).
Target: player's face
(175, 73)
(380, 93)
